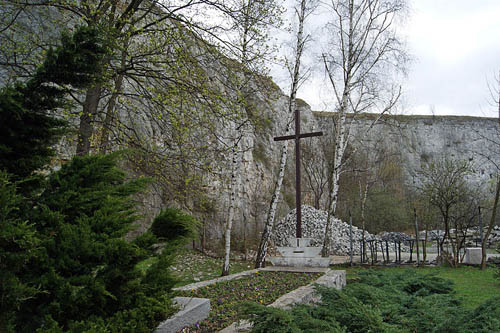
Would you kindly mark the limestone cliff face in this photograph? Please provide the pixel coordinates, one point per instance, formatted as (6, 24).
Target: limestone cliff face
(260, 169)
(420, 139)
(417, 140)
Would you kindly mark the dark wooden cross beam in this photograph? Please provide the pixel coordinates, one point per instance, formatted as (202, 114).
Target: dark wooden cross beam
(297, 136)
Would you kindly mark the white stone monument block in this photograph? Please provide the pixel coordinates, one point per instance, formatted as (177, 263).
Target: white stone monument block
(473, 255)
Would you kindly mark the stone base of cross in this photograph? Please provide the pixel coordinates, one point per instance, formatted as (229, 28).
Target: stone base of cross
(298, 253)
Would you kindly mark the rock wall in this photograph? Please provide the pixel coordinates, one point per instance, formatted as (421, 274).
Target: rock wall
(420, 139)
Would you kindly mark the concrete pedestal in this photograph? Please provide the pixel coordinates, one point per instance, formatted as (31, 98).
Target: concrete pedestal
(299, 254)
(473, 255)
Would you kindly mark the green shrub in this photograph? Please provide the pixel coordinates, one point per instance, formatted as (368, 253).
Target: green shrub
(173, 224)
(86, 268)
(64, 262)
(28, 131)
(269, 319)
(486, 317)
(384, 301)
(19, 244)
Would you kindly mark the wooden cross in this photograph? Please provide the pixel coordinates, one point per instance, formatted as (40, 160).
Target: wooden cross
(297, 136)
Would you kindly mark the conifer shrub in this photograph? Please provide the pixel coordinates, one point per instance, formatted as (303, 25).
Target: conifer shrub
(299, 319)
(383, 301)
(28, 130)
(87, 270)
(172, 223)
(19, 244)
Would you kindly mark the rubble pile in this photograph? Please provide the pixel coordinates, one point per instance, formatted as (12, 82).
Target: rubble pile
(495, 235)
(313, 226)
(394, 237)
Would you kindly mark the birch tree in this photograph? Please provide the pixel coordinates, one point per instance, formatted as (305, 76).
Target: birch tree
(252, 21)
(361, 60)
(302, 9)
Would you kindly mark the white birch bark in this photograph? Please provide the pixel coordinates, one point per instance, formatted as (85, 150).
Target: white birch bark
(236, 163)
(300, 43)
(340, 147)
(364, 45)
(364, 196)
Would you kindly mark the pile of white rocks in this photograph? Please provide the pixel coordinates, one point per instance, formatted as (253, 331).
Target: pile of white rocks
(394, 236)
(313, 226)
(432, 235)
(495, 235)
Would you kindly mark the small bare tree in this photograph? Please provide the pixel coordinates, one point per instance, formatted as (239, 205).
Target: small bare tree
(445, 186)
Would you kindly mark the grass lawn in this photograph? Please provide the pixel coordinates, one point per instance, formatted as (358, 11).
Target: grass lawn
(470, 283)
(474, 285)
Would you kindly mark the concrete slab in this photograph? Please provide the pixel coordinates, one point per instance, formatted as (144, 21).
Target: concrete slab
(303, 295)
(300, 261)
(296, 269)
(192, 310)
(473, 255)
(201, 284)
(299, 252)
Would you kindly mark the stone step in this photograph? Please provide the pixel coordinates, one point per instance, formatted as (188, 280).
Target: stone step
(300, 252)
(300, 261)
(192, 310)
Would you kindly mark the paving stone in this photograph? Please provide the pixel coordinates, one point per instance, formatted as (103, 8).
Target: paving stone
(192, 310)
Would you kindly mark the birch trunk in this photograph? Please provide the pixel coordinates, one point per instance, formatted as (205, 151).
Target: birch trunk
(363, 42)
(268, 228)
(341, 138)
(234, 189)
(337, 170)
(363, 205)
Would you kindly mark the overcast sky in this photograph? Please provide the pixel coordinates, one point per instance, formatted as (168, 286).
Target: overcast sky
(455, 45)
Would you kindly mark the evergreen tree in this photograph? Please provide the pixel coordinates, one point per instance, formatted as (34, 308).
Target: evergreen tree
(64, 262)
(27, 129)
(88, 270)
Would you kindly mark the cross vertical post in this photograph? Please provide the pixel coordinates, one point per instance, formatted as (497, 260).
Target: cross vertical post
(298, 194)
(297, 136)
